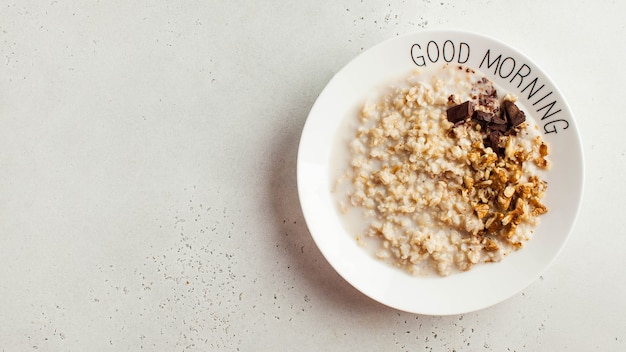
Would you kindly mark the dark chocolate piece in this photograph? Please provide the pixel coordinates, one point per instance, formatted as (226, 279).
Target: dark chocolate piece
(513, 114)
(482, 116)
(490, 121)
(494, 140)
(499, 120)
(498, 127)
(459, 113)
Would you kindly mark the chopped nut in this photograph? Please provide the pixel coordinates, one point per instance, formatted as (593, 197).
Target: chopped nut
(541, 162)
(524, 190)
(509, 191)
(483, 184)
(507, 219)
(491, 245)
(499, 176)
(543, 149)
(481, 210)
(504, 202)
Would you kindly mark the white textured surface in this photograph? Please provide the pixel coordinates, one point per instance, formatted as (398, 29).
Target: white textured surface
(147, 182)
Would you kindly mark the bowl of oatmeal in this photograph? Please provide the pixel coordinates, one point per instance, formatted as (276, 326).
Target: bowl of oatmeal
(440, 172)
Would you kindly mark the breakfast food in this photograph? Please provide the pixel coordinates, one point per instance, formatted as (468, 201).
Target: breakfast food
(443, 173)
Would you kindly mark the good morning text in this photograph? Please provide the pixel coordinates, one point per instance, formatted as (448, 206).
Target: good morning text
(515, 71)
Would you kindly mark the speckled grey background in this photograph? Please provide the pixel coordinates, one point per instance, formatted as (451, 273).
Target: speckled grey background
(147, 177)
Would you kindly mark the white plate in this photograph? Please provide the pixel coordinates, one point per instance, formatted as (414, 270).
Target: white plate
(485, 284)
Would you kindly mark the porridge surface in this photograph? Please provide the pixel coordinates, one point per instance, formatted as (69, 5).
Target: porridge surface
(441, 173)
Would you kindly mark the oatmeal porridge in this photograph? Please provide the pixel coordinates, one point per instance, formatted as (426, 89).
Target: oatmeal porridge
(442, 172)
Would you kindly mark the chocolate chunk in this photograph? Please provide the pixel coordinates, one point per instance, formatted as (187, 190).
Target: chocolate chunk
(498, 127)
(518, 119)
(500, 119)
(482, 116)
(459, 113)
(511, 132)
(491, 121)
(494, 140)
(513, 114)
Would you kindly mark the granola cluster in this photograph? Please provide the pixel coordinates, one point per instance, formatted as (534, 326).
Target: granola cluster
(441, 183)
